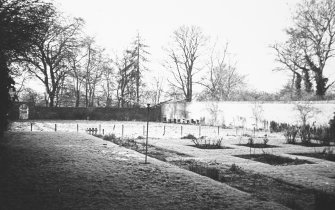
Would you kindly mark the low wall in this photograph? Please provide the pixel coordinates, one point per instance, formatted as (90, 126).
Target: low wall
(82, 113)
(241, 113)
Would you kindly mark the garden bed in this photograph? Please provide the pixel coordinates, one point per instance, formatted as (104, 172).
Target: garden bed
(318, 155)
(135, 144)
(257, 145)
(262, 187)
(274, 159)
(206, 146)
(312, 144)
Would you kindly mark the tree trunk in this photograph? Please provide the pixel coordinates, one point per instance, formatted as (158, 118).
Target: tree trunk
(307, 82)
(51, 99)
(6, 83)
(138, 76)
(298, 86)
(321, 83)
(292, 85)
(77, 98)
(77, 93)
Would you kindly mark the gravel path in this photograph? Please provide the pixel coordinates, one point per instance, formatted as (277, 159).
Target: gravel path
(49, 170)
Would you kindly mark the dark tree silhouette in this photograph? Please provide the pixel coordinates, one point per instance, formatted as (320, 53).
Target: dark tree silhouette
(20, 23)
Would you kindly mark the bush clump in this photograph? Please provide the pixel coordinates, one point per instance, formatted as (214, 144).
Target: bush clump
(290, 134)
(189, 136)
(205, 143)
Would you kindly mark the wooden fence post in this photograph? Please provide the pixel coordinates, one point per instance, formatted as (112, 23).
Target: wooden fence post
(55, 127)
(122, 131)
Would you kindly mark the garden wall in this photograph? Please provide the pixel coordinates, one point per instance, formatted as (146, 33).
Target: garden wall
(241, 113)
(96, 113)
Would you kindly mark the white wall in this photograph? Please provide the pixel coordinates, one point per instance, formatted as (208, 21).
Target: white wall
(231, 112)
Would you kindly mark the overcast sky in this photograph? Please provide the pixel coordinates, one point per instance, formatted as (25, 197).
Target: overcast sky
(249, 27)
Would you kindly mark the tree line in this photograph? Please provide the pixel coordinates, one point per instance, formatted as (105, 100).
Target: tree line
(38, 41)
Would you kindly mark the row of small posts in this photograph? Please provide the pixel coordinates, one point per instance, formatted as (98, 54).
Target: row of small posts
(95, 130)
(181, 121)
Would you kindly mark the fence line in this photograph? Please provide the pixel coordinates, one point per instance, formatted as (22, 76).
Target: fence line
(135, 129)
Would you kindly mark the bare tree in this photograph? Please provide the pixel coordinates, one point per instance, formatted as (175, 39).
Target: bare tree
(289, 54)
(158, 87)
(108, 81)
(94, 61)
(222, 79)
(48, 60)
(154, 91)
(77, 73)
(183, 56)
(306, 111)
(311, 42)
(257, 113)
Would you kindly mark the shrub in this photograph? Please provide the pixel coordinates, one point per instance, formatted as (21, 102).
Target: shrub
(207, 143)
(246, 135)
(265, 139)
(278, 127)
(322, 134)
(236, 169)
(250, 141)
(305, 134)
(189, 136)
(328, 153)
(290, 134)
(109, 137)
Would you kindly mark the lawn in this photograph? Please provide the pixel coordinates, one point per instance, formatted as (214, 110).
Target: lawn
(303, 184)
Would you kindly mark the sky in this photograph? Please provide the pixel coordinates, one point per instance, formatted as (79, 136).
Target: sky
(250, 27)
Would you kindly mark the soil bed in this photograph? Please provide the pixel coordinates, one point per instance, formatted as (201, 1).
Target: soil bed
(257, 145)
(205, 146)
(309, 144)
(274, 159)
(154, 152)
(318, 155)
